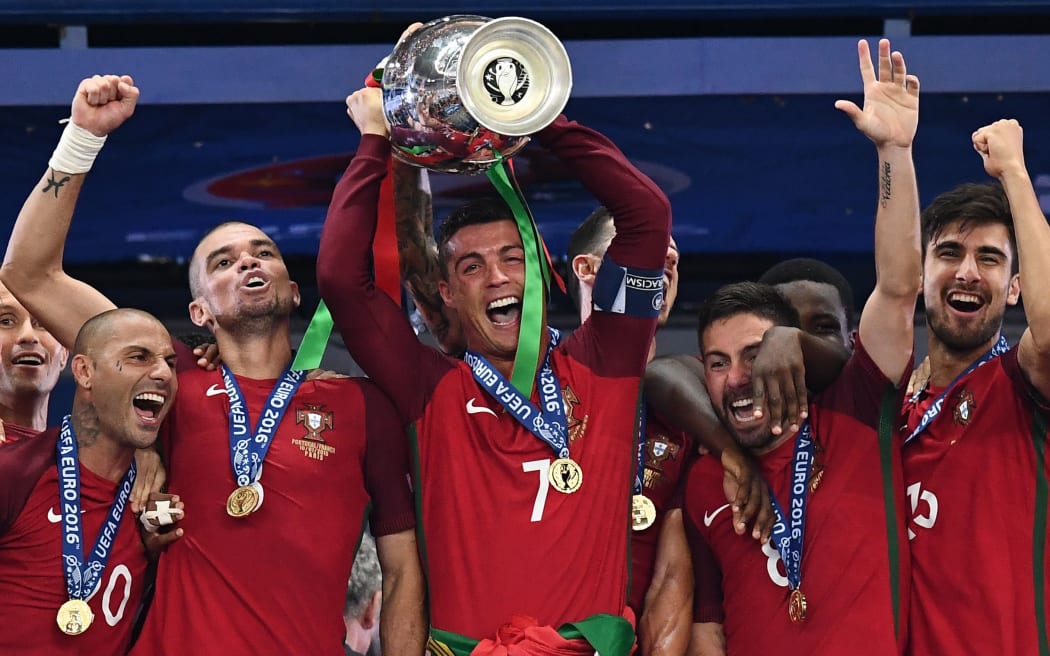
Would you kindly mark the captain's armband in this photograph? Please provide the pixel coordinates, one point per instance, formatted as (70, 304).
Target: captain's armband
(628, 290)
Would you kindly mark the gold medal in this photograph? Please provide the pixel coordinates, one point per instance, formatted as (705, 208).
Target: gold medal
(643, 512)
(74, 617)
(244, 500)
(565, 475)
(797, 606)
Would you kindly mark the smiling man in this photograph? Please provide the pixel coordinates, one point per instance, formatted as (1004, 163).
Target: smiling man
(524, 525)
(330, 448)
(31, 360)
(975, 458)
(71, 579)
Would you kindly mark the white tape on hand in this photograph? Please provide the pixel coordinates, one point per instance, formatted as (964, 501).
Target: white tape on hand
(162, 515)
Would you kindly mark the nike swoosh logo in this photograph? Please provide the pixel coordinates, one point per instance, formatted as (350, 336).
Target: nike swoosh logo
(710, 517)
(54, 517)
(477, 409)
(215, 390)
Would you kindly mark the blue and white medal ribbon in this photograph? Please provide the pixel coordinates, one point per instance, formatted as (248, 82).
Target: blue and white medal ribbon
(247, 454)
(548, 422)
(643, 510)
(789, 529)
(1001, 346)
(82, 579)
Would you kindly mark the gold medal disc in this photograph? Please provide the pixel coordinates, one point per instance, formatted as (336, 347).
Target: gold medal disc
(643, 512)
(244, 500)
(565, 475)
(74, 617)
(797, 606)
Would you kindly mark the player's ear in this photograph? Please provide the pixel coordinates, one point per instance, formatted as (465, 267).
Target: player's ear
(585, 268)
(446, 293)
(1013, 292)
(296, 298)
(82, 370)
(200, 313)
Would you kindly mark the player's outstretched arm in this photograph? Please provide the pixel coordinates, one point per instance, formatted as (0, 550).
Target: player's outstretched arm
(890, 118)
(1001, 146)
(667, 622)
(403, 622)
(32, 267)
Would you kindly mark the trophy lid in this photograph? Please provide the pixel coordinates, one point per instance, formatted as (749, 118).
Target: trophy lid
(514, 76)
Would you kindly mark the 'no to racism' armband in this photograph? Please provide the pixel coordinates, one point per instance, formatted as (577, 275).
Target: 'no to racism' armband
(629, 290)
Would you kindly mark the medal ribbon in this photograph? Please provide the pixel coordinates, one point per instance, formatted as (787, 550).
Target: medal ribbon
(639, 472)
(82, 578)
(549, 423)
(789, 530)
(247, 455)
(537, 279)
(1000, 347)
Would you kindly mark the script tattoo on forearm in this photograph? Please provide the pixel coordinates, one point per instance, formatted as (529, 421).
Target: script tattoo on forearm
(885, 185)
(54, 184)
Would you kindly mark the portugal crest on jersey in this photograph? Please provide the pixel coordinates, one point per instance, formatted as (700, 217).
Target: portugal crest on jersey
(577, 425)
(964, 407)
(658, 449)
(316, 421)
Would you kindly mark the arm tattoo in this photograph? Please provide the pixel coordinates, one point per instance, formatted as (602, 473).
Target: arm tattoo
(54, 184)
(885, 185)
(414, 221)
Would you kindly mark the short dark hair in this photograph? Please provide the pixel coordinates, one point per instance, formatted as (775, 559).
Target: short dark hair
(762, 300)
(809, 269)
(590, 238)
(970, 204)
(476, 212)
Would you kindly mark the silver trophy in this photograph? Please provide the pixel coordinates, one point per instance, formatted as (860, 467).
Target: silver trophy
(460, 88)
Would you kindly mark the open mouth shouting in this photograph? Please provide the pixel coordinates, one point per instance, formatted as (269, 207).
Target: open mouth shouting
(741, 409)
(504, 311)
(254, 281)
(964, 302)
(28, 359)
(149, 407)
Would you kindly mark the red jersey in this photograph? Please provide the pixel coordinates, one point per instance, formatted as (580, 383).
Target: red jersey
(667, 454)
(971, 479)
(846, 571)
(273, 582)
(12, 433)
(497, 541)
(32, 578)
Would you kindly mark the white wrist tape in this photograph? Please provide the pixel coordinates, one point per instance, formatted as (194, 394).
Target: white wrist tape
(76, 150)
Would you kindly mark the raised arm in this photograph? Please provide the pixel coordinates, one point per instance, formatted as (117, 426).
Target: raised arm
(1001, 146)
(32, 267)
(420, 269)
(376, 331)
(890, 118)
(640, 211)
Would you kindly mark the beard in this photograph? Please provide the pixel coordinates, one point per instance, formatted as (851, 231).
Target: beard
(967, 337)
(256, 318)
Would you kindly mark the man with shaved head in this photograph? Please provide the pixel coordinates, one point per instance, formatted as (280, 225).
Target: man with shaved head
(72, 562)
(329, 448)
